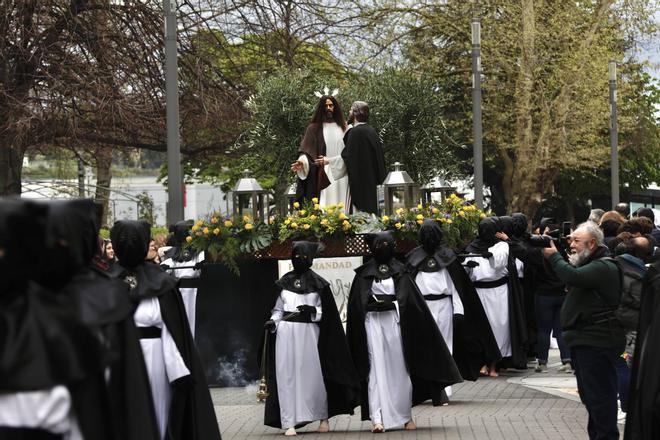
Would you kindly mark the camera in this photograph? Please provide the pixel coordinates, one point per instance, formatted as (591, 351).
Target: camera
(557, 234)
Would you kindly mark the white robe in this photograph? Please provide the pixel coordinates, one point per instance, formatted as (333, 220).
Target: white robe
(495, 300)
(162, 359)
(338, 190)
(390, 388)
(442, 310)
(49, 410)
(300, 386)
(189, 295)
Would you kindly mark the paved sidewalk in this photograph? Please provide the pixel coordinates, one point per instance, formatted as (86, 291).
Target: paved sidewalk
(517, 405)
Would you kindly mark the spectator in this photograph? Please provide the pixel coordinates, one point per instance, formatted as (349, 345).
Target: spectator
(649, 214)
(108, 253)
(637, 226)
(595, 337)
(595, 215)
(643, 422)
(623, 209)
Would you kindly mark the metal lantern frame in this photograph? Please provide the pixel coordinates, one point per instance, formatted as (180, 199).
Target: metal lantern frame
(399, 181)
(247, 191)
(428, 190)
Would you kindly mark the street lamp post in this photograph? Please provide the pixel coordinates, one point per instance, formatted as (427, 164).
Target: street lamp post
(476, 114)
(174, 173)
(614, 135)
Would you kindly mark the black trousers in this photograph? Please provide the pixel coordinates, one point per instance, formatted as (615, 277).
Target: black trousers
(595, 370)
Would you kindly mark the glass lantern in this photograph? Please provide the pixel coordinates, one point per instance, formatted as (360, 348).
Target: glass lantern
(249, 198)
(399, 190)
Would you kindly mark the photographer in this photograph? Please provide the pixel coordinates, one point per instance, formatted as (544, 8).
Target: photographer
(595, 337)
(549, 296)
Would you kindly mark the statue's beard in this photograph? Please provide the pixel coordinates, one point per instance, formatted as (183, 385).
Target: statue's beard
(577, 259)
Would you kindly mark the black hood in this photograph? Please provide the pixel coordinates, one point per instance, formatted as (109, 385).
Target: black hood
(178, 233)
(430, 236)
(381, 245)
(22, 225)
(507, 225)
(72, 230)
(488, 227)
(303, 254)
(130, 240)
(519, 224)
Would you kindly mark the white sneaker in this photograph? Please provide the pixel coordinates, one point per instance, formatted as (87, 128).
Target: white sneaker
(566, 368)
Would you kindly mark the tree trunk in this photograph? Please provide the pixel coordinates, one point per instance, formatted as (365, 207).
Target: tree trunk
(103, 179)
(11, 168)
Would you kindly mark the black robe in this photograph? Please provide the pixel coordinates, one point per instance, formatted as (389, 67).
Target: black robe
(365, 165)
(103, 305)
(474, 343)
(313, 146)
(191, 415)
(341, 381)
(643, 418)
(430, 365)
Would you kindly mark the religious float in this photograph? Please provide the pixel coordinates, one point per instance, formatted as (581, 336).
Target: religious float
(250, 249)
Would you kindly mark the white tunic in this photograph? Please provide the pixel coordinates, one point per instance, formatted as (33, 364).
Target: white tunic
(300, 385)
(337, 192)
(495, 300)
(189, 295)
(390, 388)
(49, 410)
(161, 357)
(442, 310)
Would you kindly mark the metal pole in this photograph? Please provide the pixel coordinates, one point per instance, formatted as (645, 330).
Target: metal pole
(614, 135)
(476, 113)
(174, 173)
(81, 178)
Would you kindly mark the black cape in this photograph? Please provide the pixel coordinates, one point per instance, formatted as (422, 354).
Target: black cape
(191, 412)
(643, 418)
(103, 305)
(474, 342)
(365, 164)
(313, 146)
(341, 380)
(430, 365)
(517, 319)
(44, 344)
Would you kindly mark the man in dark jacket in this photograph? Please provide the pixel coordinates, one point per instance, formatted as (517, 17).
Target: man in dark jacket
(595, 337)
(364, 159)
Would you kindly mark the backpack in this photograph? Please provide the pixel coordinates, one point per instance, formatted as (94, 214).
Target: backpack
(632, 284)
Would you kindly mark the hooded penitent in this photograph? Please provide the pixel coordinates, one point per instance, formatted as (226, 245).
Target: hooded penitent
(179, 252)
(102, 303)
(519, 225)
(191, 413)
(337, 371)
(43, 344)
(429, 363)
(474, 344)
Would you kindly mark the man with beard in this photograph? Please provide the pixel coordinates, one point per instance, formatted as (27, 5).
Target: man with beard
(364, 159)
(320, 169)
(594, 335)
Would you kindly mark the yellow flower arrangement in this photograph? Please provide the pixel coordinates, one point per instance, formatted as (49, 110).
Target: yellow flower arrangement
(296, 205)
(228, 224)
(216, 231)
(248, 226)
